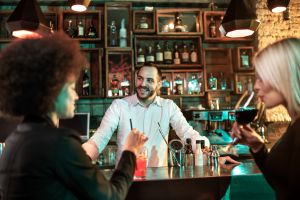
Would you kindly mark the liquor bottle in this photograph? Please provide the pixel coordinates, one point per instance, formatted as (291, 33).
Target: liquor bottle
(188, 154)
(176, 55)
(214, 155)
(194, 55)
(165, 86)
(70, 31)
(198, 154)
(240, 87)
(223, 82)
(113, 34)
(123, 34)
(204, 151)
(212, 28)
(167, 54)
(80, 29)
(178, 23)
(51, 27)
(221, 33)
(212, 82)
(159, 58)
(115, 85)
(149, 55)
(245, 59)
(143, 24)
(86, 83)
(250, 85)
(125, 86)
(140, 56)
(92, 32)
(193, 85)
(178, 85)
(185, 56)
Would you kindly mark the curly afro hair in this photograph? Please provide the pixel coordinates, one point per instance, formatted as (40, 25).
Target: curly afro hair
(33, 71)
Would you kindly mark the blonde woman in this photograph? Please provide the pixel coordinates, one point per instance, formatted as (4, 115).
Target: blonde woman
(278, 83)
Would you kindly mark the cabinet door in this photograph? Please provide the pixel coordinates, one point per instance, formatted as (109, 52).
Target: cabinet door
(242, 58)
(143, 21)
(118, 25)
(211, 23)
(179, 21)
(119, 73)
(243, 82)
(90, 81)
(84, 26)
(218, 67)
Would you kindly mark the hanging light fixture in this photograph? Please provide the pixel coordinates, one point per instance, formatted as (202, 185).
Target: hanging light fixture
(240, 19)
(79, 5)
(277, 6)
(27, 20)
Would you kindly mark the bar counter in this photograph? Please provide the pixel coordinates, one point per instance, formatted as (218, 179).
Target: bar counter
(204, 182)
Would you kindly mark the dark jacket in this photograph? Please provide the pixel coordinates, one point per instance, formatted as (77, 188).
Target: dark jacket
(281, 166)
(40, 161)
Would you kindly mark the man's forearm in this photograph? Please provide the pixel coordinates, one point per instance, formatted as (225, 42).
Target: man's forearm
(91, 149)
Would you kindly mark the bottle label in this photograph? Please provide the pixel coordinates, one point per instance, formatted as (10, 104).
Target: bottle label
(185, 57)
(194, 57)
(150, 58)
(168, 55)
(80, 31)
(143, 26)
(141, 59)
(159, 56)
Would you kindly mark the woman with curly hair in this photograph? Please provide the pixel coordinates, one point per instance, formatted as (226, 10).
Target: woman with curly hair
(40, 160)
(278, 82)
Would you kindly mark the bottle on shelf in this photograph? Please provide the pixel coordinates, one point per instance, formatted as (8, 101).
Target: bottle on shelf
(150, 55)
(143, 24)
(185, 56)
(214, 155)
(51, 26)
(212, 28)
(140, 56)
(250, 85)
(167, 54)
(159, 57)
(221, 33)
(70, 31)
(194, 55)
(86, 83)
(213, 82)
(165, 86)
(115, 85)
(204, 151)
(188, 154)
(239, 87)
(178, 23)
(80, 29)
(123, 34)
(178, 85)
(223, 82)
(125, 86)
(244, 59)
(92, 32)
(176, 55)
(113, 34)
(198, 154)
(193, 85)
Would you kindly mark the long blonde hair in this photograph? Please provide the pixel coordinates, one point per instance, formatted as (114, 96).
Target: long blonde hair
(279, 65)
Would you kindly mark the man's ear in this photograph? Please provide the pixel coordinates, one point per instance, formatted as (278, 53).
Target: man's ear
(159, 84)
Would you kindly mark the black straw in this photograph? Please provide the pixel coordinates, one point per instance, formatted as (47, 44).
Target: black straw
(159, 129)
(130, 124)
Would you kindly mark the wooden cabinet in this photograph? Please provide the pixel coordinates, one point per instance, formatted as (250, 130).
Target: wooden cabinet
(143, 21)
(145, 41)
(89, 83)
(211, 23)
(242, 58)
(118, 25)
(84, 26)
(179, 21)
(244, 81)
(218, 68)
(119, 73)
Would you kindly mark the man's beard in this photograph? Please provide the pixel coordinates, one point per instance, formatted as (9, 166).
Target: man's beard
(150, 93)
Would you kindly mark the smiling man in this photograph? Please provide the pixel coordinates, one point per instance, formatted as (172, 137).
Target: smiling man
(146, 110)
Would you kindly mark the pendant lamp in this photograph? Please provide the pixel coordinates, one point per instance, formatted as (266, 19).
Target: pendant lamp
(79, 5)
(240, 19)
(277, 6)
(27, 20)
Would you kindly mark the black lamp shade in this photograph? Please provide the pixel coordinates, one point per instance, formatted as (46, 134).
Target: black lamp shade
(240, 19)
(79, 5)
(277, 6)
(27, 18)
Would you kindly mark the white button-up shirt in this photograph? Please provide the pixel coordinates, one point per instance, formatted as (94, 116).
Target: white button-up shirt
(145, 119)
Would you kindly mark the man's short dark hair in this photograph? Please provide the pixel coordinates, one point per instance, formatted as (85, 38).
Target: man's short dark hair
(33, 71)
(159, 73)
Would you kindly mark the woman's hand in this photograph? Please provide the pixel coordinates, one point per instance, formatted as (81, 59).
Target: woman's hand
(134, 141)
(246, 135)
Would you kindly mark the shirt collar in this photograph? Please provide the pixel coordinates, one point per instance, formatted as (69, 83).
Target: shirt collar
(135, 101)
